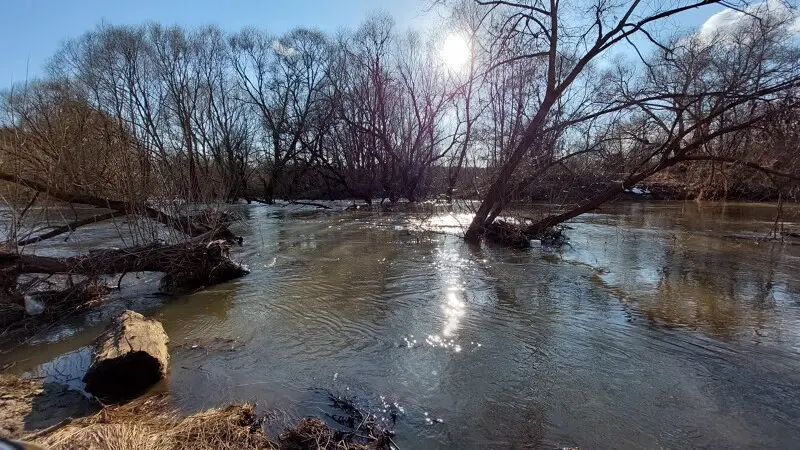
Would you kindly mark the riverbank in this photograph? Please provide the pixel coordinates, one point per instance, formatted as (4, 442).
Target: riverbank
(73, 422)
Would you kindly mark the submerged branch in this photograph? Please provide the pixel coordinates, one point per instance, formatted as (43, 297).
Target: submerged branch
(70, 227)
(123, 207)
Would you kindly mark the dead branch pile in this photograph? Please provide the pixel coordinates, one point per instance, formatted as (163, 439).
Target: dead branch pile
(313, 433)
(195, 265)
(187, 265)
(57, 304)
(192, 262)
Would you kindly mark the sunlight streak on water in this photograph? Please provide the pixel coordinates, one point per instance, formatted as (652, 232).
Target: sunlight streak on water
(451, 266)
(444, 222)
(454, 310)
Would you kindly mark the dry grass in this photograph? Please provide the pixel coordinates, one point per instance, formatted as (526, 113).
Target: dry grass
(152, 423)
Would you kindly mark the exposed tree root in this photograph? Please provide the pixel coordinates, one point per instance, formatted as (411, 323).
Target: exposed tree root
(505, 233)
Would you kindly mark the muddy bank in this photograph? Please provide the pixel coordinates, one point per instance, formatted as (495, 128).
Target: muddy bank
(56, 418)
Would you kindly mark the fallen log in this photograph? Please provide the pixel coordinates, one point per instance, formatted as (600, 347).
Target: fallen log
(186, 264)
(129, 357)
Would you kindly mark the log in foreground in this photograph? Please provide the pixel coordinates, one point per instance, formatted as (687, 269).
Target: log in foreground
(129, 357)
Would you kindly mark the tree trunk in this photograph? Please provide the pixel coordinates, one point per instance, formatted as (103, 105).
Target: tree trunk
(129, 357)
(494, 200)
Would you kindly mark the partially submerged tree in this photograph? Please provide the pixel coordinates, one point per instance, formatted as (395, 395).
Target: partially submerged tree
(704, 100)
(566, 39)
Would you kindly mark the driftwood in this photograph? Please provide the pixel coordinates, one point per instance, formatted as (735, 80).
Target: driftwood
(194, 262)
(129, 357)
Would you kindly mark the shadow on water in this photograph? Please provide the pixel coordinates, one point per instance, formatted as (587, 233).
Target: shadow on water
(649, 331)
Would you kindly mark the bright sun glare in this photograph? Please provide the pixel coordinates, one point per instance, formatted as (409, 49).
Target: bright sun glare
(455, 51)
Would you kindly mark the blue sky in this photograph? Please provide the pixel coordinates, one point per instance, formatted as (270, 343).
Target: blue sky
(31, 30)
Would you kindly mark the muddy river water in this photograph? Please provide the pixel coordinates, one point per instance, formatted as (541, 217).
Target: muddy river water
(650, 330)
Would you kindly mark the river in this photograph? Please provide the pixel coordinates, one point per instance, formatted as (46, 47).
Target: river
(649, 330)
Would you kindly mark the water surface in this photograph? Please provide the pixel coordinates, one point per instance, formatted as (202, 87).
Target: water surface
(651, 330)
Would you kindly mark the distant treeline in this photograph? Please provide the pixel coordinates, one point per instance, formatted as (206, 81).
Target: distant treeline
(153, 111)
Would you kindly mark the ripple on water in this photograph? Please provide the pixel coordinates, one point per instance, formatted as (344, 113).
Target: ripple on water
(642, 333)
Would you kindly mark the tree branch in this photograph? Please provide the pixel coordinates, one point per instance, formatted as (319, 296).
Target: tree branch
(123, 207)
(748, 164)
(70, 227)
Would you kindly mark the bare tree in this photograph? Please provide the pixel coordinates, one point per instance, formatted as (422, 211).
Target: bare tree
(565, 38)
(700, 101)
(283, 81)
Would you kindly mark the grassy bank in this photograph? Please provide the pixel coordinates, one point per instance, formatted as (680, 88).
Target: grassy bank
(153, 423)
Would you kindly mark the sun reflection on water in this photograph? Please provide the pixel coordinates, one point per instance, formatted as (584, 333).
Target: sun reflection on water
(454, 309)
(446, 222)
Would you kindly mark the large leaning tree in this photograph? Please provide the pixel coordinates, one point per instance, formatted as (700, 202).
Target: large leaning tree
(690, 98)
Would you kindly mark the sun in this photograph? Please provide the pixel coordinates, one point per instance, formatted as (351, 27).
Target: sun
(455, 51)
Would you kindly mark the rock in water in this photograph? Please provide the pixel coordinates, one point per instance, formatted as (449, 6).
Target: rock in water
(129, 357)
(32, 306)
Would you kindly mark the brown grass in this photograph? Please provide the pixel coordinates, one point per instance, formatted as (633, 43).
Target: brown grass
(151, 423)
(154, 423)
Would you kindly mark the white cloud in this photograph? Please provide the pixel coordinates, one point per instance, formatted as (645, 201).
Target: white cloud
(282, 49)
(731, 22)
